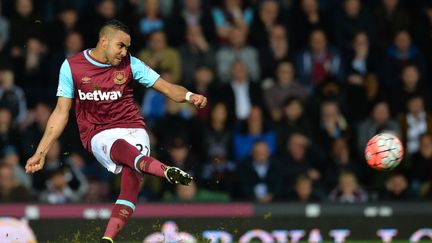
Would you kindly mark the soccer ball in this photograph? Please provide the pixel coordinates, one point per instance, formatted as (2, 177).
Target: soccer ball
(384, 151)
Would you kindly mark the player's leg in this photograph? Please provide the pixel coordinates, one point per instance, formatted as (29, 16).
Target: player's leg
(119, 147)
(125, 204)
(128, 155)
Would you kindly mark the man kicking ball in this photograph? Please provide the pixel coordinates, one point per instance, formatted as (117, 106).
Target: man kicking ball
(109, 121)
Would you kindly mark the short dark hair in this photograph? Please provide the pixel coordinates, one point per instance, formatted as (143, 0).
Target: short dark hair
(116, 25)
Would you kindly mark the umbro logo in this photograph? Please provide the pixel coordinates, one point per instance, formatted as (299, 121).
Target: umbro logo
(86, 80)
(124, 213)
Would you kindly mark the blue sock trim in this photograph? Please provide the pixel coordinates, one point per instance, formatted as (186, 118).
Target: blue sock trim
(126, 203)
(107, 238)
(136, 161)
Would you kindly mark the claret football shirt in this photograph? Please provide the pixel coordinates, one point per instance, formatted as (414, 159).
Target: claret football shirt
(103, 93)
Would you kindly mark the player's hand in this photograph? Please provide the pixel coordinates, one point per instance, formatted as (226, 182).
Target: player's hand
(35, 163)
(198, 101)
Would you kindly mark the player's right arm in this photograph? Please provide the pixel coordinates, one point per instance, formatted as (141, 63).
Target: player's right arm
(55, 126)
(146, 76)
(57, 120)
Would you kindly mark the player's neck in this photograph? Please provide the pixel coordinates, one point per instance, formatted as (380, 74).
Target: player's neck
(98, 55)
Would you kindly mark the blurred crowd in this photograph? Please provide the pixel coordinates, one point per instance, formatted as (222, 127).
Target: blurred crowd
(295, 89)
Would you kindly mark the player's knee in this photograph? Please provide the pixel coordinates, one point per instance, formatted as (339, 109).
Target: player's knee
(120, 143)
(117, 147)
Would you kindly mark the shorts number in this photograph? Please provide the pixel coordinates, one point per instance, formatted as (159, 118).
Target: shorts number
(141, 148)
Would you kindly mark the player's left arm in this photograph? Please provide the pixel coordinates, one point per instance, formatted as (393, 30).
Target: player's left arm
(179, 93)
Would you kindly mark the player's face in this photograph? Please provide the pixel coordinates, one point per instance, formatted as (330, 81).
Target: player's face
(117, 47)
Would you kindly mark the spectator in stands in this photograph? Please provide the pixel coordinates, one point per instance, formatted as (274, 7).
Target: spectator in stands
(276, 50)
(72, 44)
(9, 135)
(4, 33)
(389, 18)
(421, 163)
(423, 36)
(348, 190)
(341, 160)
(23, 25)
(98, 191)
(361, 58)
(57, 189)
(352, 19)
(285, 86)
(263, 23)
(151, 19)
(230, 15)
(160, 56)
(397, 188)
(177, 123)
(10, 189)
(307, 18)
(248, 132)
(329, 89)
(194, 53)
(105, 10)
(373, 88)
(318, 61)
(414, 123)
(303, 191)
(67, 21)
(332, 125)
(192, 15)
(4, 52)
(237, 50)
(240, 94)
(166, 8)
(411, 85)
(426, 191)
(153, 105)
(33, 133)
(9, 155)
(357, 99)
(260, 177)
(204, 83)
(179, 155)
(294, 119)
(12, 97)
(399, 55)
(60, 170)
(217, 132)
(300, 158)
(178, 152)
(362, 93)
(378, 121)
(31, 71)
(218, 171)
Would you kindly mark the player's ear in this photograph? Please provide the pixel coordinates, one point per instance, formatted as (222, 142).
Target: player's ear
(104, 42)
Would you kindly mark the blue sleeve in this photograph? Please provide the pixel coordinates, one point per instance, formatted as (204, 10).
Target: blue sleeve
(219, 18)
(270, 138)
(65, 87)
(248, 16)
(143, 73)
(242, 146)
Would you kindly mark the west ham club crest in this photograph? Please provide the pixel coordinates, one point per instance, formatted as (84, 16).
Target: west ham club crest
(119, 77)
